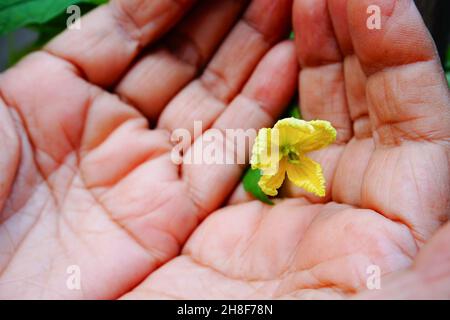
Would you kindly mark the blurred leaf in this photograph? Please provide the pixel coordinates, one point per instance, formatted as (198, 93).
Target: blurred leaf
(15, 14)
(48, 30)
(294, 111)
(15, 55)
(250, 180)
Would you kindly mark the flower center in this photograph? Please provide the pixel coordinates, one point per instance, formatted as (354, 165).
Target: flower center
(291, 153)
(293, 157)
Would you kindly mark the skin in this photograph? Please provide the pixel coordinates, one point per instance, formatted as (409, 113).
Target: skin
(86, 177)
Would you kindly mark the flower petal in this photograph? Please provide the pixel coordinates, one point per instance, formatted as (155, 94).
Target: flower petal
(307, 174)
(262, 155)
(322, 135)
(269, 184)
(291, 131)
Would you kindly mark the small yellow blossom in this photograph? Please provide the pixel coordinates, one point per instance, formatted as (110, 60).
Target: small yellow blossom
(283, 150)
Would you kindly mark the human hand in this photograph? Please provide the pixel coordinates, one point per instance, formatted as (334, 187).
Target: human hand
(84, 182)
(87, 184)
(388, 176)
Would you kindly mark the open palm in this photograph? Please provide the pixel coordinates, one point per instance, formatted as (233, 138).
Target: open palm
(86, 183)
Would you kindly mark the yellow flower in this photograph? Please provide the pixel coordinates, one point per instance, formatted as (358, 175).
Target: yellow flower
(283, 150)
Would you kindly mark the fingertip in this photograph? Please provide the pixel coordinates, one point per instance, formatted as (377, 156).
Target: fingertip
(284, 51)
(399, 37)
(314, 35)
(338, 11)
(271, 18)
(275, 79)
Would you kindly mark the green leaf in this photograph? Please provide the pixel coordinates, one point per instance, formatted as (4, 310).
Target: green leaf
(447, 58)
(48, 30)
(15, 14)
(250, 180)
(294, 111)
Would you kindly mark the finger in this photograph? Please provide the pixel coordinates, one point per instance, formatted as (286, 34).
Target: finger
(322, 88)
(355, 79)
(409, 109)
(339, 18)
(162, 73)
(112, 35)
(355, 87)
(262, 100)
(205, 99)
(10, 155)
(408, 97)
(314, 34)
(322, 84)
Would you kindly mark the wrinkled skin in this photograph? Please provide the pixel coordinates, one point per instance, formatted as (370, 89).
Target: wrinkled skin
(85, 182)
